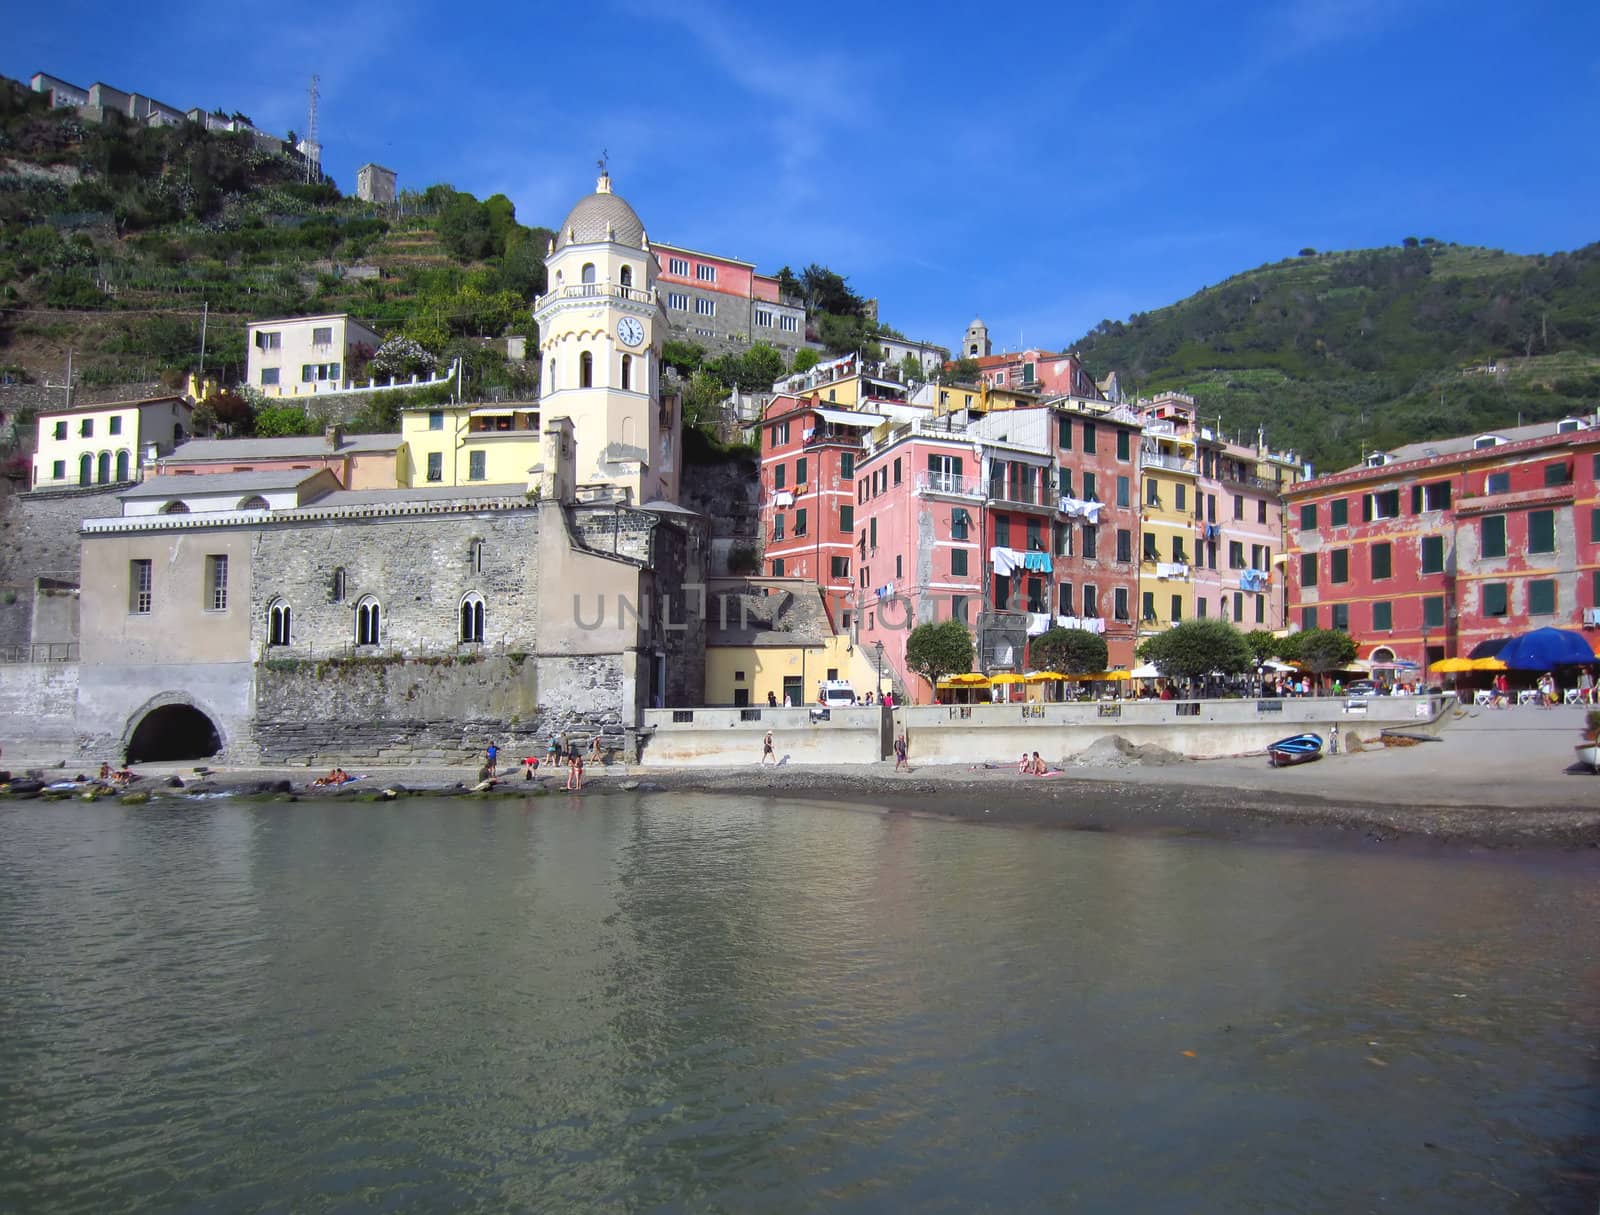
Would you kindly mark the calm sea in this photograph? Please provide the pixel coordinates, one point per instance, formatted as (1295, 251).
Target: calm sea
(675, 1002)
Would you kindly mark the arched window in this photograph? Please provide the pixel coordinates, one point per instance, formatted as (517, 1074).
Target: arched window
(588, 272)
(85, 469)
(627, 372)
(551, 386)
(369, 621)
(475, 556)
(279, 622)
(472, 619)
(336, 590)
(586, 370)
(105, 468)
(253, 502)
(122, 465)
(175, 508)
(627, 276)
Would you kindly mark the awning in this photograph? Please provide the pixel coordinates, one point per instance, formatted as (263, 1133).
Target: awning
(849, 417)
(968, 679)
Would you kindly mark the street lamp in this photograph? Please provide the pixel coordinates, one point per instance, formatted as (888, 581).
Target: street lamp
(879, 646)
(1424, 676)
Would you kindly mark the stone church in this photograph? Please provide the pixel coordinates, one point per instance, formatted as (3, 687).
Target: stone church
(275, 616)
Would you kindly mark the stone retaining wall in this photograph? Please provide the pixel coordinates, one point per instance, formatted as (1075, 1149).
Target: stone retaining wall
(38, 708)
(435, 711)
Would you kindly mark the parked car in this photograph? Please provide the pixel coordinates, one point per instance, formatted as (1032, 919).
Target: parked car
(1361, 687)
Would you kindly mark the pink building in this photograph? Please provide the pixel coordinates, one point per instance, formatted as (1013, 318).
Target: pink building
(358, 461)
(1012, 522)
(1052, 375)
(723, 303)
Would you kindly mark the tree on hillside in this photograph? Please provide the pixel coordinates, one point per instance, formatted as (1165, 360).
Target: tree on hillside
(685, 358)
(1196, 648)
(1070, 651)
(825, 291)
(910, 368)
(936, 650)
(283, 421)
(464, 228)
(1324, 650)
(805, 359)
(400, 358)
(962, 371)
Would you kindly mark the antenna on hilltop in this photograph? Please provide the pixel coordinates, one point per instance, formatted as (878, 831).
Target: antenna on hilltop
(309, 146)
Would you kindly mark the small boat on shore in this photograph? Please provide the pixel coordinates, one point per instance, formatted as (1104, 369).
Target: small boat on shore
(1296, 749)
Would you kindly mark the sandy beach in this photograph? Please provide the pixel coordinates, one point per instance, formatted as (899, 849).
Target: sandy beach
(1494, 778)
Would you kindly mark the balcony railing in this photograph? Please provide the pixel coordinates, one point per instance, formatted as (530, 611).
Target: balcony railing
(1021, 495)
(949, 483)
(1155, 459)
(579, 291)
(833, 438)
(1247, 480)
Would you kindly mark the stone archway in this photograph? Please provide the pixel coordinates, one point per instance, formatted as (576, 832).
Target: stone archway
(171, 728)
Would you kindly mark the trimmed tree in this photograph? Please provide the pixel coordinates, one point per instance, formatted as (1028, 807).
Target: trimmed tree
(1196, 648)
(1262, 644)
(1070, 651)
(1324, 650)
(936, 650)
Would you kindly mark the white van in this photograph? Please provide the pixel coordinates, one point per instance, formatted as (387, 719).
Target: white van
(836, 693)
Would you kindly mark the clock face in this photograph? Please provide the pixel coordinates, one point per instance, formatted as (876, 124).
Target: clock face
(630, 331)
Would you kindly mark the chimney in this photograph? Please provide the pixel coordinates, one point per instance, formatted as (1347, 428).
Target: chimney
(334, 436)
(558, 473)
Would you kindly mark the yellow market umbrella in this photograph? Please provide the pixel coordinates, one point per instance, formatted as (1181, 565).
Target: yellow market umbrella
(1045, 677)
(967, 679)
(1114, 675)
(1451, 665)
(1007, 678)
(1483, 664)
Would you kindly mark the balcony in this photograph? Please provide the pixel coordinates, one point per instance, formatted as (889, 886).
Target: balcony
(949, 484)
(1021, 495)
(830, 437)
(1156, 459)
(582, 291)
(1247, 481)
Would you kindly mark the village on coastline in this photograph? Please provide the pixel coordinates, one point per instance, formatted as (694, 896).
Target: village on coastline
(566, 565)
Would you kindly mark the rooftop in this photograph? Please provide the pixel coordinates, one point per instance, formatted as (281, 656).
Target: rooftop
(223, 483)
(278, 449)
(599, 217)
(103, 406)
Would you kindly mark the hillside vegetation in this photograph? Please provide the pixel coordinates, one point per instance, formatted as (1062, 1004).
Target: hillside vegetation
(1338, 353)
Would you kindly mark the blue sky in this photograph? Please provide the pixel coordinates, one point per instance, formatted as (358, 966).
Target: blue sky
(1045, 167)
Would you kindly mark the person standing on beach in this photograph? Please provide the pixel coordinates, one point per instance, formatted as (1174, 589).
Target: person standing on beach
(492, 753)
(767, 751)
(902, 753)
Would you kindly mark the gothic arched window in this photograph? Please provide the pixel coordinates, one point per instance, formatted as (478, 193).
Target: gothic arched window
(369, 621)
(175, 508)
(279, 622)
(472, 618)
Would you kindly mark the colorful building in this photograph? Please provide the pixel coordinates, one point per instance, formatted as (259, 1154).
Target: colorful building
(356, 461)
(1012, 522)
(1041, 371)
(772, 638)
(723, 303)
(89, 445)
(1168, 469)
(470, 443)
(1429, 549)
(808, 494)
(300, 356)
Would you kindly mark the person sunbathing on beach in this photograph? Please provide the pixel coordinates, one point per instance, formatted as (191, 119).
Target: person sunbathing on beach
(1024, 765)
(1037, 765)
(337, 776)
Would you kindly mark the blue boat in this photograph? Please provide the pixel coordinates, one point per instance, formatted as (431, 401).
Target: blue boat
(1296, 749)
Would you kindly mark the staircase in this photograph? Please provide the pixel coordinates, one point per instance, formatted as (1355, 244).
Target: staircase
(886, 678)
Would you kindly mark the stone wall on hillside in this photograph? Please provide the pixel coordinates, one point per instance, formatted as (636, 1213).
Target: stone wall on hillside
(433, 712)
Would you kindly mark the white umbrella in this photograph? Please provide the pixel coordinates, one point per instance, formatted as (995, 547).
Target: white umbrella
(1272, 664)
(1147, 671)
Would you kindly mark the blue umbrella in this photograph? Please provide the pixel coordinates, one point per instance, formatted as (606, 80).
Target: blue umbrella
(1545, 648)
(1490, 648)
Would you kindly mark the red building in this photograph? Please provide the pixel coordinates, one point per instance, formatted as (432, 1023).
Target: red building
(1437, 546)
(808, 495)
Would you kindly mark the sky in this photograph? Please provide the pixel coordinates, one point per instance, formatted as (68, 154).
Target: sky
(1044, 167)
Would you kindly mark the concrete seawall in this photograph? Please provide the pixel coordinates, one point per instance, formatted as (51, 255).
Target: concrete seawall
(986, 733)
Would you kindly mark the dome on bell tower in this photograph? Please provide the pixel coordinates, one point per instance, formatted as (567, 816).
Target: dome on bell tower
(601, 216)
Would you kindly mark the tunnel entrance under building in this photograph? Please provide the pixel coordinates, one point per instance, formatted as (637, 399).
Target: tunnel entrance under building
(173, 732)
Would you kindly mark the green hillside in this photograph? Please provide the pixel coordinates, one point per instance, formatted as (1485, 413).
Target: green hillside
(113, 236)
(1338, 352)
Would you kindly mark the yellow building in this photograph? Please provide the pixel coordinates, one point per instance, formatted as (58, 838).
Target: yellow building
(464, 444)
(772, 637)
(1167, 472)
(106, 444)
